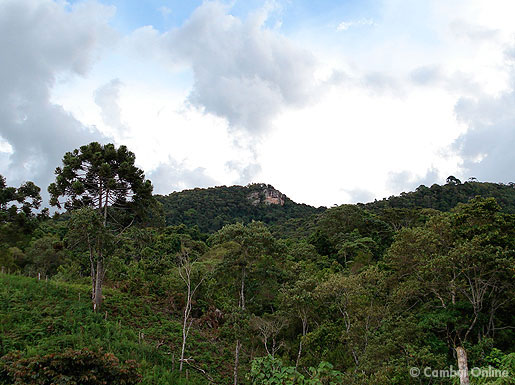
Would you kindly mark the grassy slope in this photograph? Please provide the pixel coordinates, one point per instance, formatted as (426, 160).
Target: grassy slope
(44, 317)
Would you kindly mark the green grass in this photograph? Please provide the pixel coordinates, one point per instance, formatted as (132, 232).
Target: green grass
(40, 317)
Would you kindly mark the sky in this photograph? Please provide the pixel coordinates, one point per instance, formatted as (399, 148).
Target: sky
(331, 102)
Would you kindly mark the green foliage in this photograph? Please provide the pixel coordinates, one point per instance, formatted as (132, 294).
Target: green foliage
(17, 221)
(250, 253)
(27, 196)
(45, 254)
(446, 197)
(210, 209)
(39, 318)
(86, 232)
(500, 370)
(271, 371)
(350, 234)
(100, 176)
(83, 367)
(372, 289)
(455, 275)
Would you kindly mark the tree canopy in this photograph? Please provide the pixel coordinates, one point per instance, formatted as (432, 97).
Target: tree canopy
(242, 285)
(99, 176)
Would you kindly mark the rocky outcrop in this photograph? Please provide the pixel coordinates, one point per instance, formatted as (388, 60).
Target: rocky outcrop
(266, 194)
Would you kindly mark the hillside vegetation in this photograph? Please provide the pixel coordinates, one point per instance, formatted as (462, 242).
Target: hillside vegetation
(445, 197)
(212, 208)
(243, 286)
(43, 317)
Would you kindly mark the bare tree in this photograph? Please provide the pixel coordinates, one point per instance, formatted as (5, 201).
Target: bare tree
(241, 305)
(303, 316)
(186, 272)
(269, 328)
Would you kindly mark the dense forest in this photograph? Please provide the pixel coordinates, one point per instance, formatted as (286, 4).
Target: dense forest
(241, 285)
(212, 208)
(446, 197)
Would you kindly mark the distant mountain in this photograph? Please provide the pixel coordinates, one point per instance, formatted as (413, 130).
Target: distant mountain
(445, 197)
(212, 208)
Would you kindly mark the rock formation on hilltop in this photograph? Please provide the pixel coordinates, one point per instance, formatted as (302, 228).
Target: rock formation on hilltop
(266, 194)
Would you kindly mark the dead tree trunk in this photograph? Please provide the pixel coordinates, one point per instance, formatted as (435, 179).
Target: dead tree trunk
(304, 320)
(186, 315)
(185, 272)
(241, 304)
(185, 331)
(463, 366)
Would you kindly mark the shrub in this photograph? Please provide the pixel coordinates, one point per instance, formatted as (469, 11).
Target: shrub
(269, 370)
(72, 367)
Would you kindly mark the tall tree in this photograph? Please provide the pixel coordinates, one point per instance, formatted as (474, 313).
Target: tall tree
(346, 231)
(17, 221)
(24, 199)
(86, 231)
(299, 300)
(460, 266)
(245, 247)
(192, 281)
(105, 178)
(358, 303)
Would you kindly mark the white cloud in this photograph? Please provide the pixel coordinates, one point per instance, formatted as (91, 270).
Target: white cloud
(487, 146)
(326, 117)
(172, 176)
(345, 25)
(107, 98)
(42, 41)
(353, 139)
(243, 71)
(156, 124)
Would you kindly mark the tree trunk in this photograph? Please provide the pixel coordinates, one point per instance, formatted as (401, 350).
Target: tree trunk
(185, 327)
(183, 348)
(98, 286)
(236, 361)
(304, 332)
(463, 366)
(238, 343)
(298, 354)
(105, 208)
(93, 281)
(92, 266)
(100, 265)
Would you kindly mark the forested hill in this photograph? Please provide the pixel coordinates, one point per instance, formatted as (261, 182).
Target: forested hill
(445, 197)
(212, 208)
(353, 294)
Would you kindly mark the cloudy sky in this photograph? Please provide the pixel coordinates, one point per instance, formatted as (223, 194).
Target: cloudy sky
(329, 101)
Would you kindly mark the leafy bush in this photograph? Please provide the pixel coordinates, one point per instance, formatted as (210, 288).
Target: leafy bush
(85, 367)
(271, 371)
